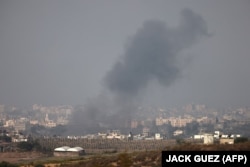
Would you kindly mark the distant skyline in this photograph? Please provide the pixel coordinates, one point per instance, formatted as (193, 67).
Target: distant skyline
(59, 52)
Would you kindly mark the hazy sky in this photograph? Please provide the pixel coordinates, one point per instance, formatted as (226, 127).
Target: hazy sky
(59, 52)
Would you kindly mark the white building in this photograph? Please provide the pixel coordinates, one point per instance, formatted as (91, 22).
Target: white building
(66, 151)
(178, 132)
(158, 136)
(114, 135)
(208, 139)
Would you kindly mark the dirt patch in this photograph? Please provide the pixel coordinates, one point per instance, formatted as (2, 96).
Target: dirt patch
(16, 157)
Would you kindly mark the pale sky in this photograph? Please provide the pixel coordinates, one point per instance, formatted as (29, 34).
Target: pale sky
(59, 52)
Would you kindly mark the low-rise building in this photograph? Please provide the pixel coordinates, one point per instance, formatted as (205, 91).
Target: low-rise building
(66, 151)
(226, 141)
(208, 139)
(178, 132)
(158, 136)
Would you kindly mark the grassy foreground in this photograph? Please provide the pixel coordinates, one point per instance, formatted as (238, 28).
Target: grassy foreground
(130, 159)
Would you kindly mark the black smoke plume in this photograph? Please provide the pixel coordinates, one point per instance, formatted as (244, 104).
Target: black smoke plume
(151, 54)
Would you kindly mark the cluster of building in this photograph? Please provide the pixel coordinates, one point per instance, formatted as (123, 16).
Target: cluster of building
(60, 113)
(178, 118)
(16, 122)
(209, 138)
(10, 118)
(174, 121)
(116, 134)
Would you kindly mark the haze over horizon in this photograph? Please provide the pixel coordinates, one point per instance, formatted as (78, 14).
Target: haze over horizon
(62, 52)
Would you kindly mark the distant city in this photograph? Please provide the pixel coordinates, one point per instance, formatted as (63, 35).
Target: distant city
(147, 123)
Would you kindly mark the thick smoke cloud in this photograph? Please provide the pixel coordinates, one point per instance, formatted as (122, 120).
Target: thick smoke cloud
(151, 54)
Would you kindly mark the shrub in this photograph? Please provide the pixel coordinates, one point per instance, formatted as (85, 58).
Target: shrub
(7, 164)
(124, 160)
(39, 165)
(240, 140)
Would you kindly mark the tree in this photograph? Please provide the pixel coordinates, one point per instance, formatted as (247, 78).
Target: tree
(5, 138)
(124, 160)
(240, 140)
(7, 164)
(180, 140)
(25, 146)
(39, 165)
(192, 128)
(29, 145)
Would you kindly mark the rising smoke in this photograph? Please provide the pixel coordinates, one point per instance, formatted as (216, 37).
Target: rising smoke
(151, 54)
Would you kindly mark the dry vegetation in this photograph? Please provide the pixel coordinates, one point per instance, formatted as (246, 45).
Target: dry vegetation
(153, 158)
(134, 159)
(15, 157)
